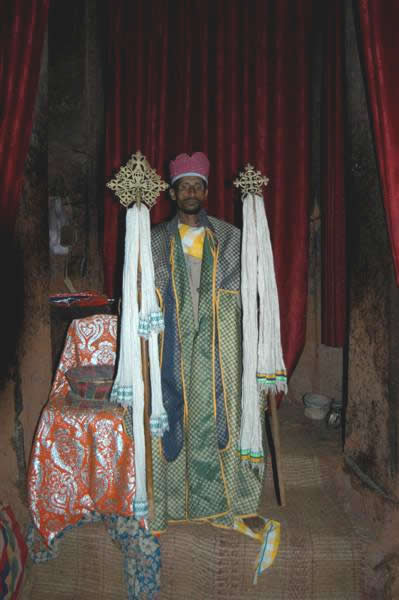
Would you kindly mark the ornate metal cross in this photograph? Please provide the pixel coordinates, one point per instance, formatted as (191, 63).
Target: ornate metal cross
(250, 181)
(137, 182)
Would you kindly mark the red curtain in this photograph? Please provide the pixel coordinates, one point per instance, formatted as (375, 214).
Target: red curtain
(333, 330)
(380, 43)
(230, 78)
(22, 30)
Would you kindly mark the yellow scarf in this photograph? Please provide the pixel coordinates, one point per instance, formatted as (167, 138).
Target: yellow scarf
(192, 239)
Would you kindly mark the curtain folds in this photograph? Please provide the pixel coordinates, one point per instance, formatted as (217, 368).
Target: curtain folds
(232, 79)
(333, 330)
(380, 44)
(22, 31)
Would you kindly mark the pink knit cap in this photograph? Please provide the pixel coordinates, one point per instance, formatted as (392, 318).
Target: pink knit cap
(183, 165)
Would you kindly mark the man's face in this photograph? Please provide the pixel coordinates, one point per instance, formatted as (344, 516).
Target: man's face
(189, 193)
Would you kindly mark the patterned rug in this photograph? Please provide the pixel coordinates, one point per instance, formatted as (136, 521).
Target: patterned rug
(319, 558)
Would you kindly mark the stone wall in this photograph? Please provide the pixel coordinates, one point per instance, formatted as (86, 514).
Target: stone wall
(64, 161)
(75, 154)
(371, 436)
(26, 370)
(372, 413)
(76, 136)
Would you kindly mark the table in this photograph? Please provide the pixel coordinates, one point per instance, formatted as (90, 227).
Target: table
(82, 458)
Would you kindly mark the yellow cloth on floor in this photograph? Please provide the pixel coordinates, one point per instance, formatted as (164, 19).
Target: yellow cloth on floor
(192, 239)
(269, 537)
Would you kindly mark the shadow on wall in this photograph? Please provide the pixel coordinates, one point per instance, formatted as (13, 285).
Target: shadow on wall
(12, 303)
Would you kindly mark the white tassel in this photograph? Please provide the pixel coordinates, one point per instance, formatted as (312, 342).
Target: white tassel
(129, 355)
(159, 419)
(128, 388)
(251, 433)
(262, 354)
(270, 355)
(151, 323)
(151, 318)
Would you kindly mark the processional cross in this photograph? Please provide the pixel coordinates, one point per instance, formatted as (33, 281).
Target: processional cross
(250, 183)
(137, 183)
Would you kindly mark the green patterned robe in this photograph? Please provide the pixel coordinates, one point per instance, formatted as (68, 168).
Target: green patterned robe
(197, 472)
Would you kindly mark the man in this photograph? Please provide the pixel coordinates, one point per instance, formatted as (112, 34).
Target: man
(198, 474)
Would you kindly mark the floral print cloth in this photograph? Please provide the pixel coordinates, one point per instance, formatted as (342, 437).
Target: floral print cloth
(13, 552)
(82, 458)
(82, 465)
(141, 552)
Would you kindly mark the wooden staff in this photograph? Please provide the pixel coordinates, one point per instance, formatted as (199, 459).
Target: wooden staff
(147, 412)
(276, 442)
(147, 432)
(251, 182)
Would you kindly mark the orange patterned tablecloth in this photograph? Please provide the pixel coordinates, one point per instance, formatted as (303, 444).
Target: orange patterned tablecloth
(82, 458)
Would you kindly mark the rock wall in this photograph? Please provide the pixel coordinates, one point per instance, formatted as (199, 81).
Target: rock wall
(372, 408)
(64, 162)
(371, 373)
(75, 147)
(26, 372)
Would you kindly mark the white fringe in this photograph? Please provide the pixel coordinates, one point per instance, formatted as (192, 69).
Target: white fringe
(152, 323)
(251, 431)
(262, 355)
(270, 354)
(128, 388)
